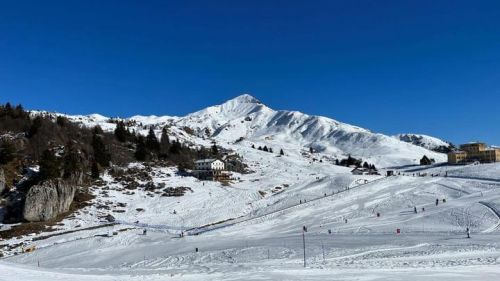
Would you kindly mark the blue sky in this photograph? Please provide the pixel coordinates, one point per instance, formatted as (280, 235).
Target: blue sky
(428, 67)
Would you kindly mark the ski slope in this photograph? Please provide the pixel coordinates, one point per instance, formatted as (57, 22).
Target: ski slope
(251, 229)
(267, 243)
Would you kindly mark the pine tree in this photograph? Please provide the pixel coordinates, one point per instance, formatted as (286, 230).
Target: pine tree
(95, 170)
(215, 150)
(7, 152)
(141, 152)
(71, 161)
(101, 154)
(176, 147)
(61, 121)
(253, 146)
(37, 123)
(97, 130)
(49, 165)
(8, 109)
(164, 142)
(265, 149)
(152, 143)
(260, 148)
(121, 132)
(281, 152)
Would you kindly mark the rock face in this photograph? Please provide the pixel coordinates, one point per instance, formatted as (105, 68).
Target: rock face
(2, 181)
(47, 200)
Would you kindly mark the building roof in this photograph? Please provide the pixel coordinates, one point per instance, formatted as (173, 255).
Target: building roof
(473, 143)
(206, 161)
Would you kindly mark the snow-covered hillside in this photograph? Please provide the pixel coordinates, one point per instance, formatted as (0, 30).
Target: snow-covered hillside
(425, 141)
(251, 227)
(245, 117)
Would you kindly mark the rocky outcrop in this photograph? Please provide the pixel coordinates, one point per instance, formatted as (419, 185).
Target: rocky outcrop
(47, 200)
(2, 181)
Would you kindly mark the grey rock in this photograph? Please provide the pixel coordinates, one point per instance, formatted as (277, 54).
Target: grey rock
(47, 200)
(110, 218)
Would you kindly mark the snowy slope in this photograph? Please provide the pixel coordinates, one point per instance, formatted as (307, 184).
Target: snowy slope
(269, 247)
(251, 229)
(425, 141)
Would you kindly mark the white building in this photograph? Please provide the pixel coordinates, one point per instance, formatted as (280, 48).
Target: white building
(209, 165)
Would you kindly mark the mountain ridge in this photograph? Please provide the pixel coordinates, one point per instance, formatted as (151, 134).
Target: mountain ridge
(246, 117)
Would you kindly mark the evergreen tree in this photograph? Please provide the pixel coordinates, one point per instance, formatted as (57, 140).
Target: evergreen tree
(281, 152)
(215, 150)
(95, 170)
(176, 147)
(141, 152)
(49, 165)
(61, 121)
(260, 148)
(19, 112)
(270, 150)
(366, 166)
(253, 146)
(101, 154)
(121, 132)
(97, 130)
(8, 109)
(311, 150)
(71, 161)
(152, 143)
(164, 143)
(337, 162)
(37, 123)
(7, 152)
(265, 149)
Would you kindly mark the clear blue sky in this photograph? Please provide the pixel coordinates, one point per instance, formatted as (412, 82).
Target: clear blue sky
(390, 66)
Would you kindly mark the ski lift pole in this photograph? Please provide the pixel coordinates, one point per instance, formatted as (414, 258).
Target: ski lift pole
(304, 230)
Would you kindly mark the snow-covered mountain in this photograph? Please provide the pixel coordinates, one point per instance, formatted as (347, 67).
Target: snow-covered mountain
(245, 117)
(425, 141)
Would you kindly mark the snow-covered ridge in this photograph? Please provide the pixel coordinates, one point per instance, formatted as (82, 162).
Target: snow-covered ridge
(425, 141)
(247, 117)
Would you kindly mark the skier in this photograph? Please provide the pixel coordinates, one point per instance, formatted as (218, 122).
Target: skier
(423, 209)
(144, 232)
(415, 209)
(468, 232)
(437, 202)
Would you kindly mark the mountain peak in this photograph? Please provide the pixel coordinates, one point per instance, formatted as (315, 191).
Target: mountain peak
(245, 98)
